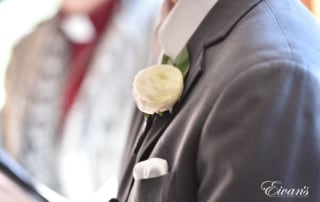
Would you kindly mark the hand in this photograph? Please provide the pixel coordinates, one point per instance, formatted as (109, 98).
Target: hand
(11, 192)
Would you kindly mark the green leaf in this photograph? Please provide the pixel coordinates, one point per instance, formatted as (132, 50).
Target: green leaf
(166, 60)
(146, 115)
(182, 62)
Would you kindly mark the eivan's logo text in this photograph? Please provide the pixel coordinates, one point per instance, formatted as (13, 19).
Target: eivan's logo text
(276, 189)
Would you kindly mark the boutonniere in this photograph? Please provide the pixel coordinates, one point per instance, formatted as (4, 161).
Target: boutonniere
(156, 89)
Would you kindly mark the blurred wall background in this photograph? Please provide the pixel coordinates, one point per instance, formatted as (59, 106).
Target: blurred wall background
(18, 17)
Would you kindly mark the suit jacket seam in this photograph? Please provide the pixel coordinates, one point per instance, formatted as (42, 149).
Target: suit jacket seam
(280, 28)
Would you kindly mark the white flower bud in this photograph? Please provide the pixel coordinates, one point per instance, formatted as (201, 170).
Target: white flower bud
(157, 88)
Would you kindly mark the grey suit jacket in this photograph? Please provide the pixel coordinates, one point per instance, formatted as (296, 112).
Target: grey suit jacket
(247, 128)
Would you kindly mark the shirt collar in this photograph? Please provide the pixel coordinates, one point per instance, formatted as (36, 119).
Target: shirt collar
(181, 23)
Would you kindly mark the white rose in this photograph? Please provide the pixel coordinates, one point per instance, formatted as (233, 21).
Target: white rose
(157, 88)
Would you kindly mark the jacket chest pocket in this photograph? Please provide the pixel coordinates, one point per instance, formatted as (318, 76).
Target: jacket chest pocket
(159, 189)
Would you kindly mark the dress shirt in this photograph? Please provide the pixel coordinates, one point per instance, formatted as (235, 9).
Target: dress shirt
(181, 23)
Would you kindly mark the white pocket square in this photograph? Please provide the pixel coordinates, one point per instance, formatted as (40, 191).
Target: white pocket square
(150, 168)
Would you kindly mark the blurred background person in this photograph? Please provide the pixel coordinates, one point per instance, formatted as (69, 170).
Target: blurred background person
(68, 90)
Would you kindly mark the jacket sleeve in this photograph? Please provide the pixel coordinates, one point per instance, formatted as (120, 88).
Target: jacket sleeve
(261, 141)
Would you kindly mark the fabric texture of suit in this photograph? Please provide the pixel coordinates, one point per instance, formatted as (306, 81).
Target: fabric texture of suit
(249, 113)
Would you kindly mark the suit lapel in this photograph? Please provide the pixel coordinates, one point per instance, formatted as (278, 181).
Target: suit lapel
(215, 27)
(161, 122)
(222, 19)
